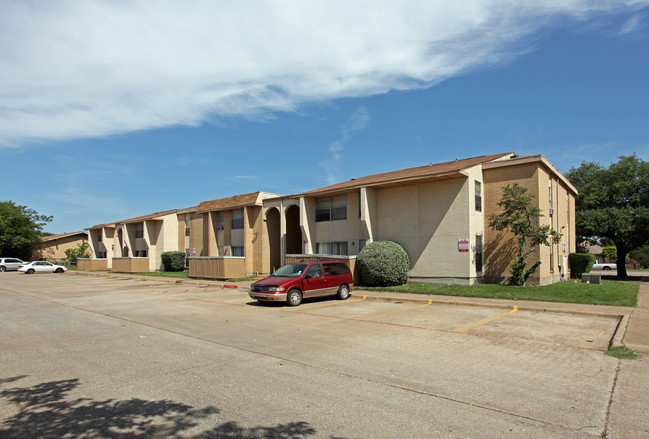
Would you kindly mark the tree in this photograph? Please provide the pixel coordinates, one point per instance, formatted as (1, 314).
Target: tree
(641, 255)
(20, 230)
(82, 251)
(613, 203)
(609, 252)
(521, 217)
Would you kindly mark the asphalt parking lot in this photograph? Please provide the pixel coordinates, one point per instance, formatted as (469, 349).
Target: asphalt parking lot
(125, 356)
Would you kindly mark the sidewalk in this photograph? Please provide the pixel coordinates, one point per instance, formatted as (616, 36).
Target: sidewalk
(637, 332)
(633, 330)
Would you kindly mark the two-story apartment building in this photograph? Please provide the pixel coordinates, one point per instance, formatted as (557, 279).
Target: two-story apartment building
(438, 213)
(133, 245)
(216, 232)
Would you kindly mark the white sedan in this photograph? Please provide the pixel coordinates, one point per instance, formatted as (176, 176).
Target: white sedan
(41, 267)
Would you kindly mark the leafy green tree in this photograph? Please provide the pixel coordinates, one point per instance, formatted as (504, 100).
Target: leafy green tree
(521, 217)
(613, 203)
(609, 252)
(641, 255)
(82, 251)
(20, 230)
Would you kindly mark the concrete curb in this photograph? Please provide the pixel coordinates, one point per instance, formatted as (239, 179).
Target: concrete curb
(201, 282)
(620, 332)
(555, 307)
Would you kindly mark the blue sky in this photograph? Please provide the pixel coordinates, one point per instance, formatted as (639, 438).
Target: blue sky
(111, 110)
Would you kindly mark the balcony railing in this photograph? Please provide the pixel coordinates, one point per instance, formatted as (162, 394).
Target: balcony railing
(130, 265)
(92, 264)
(217, 267)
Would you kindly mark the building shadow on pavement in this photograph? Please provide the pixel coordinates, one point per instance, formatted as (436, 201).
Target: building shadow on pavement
(46, 411)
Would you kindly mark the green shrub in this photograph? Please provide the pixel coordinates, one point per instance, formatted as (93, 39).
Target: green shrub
(580, 263)
(382, 264)
(81, 251)
(173, 261)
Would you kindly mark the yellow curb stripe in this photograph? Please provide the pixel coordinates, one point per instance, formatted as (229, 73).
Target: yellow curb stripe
(394, 310)
(490, 320)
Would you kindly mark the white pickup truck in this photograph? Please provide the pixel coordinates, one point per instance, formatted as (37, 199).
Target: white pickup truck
(604, 266)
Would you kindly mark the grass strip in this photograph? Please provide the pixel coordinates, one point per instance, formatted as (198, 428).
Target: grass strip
(622, 352)
(607, 293)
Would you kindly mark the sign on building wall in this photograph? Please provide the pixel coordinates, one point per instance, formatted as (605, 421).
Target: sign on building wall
(463, 245)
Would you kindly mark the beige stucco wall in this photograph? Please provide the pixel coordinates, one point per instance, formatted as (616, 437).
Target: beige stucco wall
(428, 220)
(476, 219)
(348, 230)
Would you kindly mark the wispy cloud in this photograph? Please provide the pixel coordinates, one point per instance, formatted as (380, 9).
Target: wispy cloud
(631, 25)
(357, 122)
(72, 69)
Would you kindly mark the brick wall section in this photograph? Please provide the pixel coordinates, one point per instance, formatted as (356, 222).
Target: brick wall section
(550, 191)
(500, 247)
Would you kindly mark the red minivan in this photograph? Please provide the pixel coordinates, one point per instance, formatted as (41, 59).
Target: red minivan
(301, 280)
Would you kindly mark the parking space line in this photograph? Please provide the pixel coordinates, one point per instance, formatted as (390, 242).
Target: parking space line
(394, 310)
(330, 304)
(490, 320)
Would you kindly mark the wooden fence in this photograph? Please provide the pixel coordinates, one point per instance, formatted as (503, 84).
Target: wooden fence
(130, 265)
(94, 264)
(217, 267)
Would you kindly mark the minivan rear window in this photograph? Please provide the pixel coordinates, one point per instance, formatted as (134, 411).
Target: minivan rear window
(335, 269)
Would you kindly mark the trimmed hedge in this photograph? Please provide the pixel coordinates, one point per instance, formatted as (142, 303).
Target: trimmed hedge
(580, 263)
(382, 264)
(173, 261)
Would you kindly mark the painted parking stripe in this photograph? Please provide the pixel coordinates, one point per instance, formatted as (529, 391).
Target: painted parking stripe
(330, 303)
(490, 320)
(394, 310)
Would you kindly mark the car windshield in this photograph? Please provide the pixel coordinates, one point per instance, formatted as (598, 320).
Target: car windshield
(290, 270)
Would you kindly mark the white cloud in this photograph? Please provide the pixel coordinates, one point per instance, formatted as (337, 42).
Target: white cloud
(71, 69)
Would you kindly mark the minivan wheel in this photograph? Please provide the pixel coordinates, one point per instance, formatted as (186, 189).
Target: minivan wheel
(294, 297)
(343, 292)
(2, 269)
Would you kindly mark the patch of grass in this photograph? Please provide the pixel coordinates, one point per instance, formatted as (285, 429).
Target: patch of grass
(240, 279)
(622, 352)
(607, 293)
